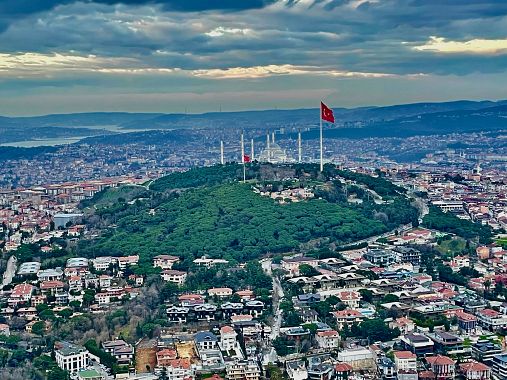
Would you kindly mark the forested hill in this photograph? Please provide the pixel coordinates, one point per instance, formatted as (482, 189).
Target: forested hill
(220, 217)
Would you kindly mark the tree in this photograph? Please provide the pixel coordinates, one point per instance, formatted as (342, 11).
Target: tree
(366, 295)
(58, 374)
(47, 315)
(39, 328)
(4, 357)
(148, 329)
(376, 330)
(388, 298)
(65, 313)
(307, 270)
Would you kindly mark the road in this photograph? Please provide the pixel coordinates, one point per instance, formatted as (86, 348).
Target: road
(10, 271)
(277, 297)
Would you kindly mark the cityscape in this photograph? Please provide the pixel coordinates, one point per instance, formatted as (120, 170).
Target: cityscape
(175, 204)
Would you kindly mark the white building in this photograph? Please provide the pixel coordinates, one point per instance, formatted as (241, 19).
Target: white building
(329, 339)
(102, 263)
(70, 357)
(175, 276)
(227, 338)
(242, 370)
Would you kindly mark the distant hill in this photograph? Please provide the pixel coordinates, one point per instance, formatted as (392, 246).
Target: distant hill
(456, 121)
(75, 119)
(390, 121)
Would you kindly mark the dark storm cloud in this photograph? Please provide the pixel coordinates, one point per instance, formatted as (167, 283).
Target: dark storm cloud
(18, 8)
(11, 10)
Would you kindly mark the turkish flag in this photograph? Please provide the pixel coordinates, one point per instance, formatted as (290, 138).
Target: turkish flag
(326, 113)
(246, 158)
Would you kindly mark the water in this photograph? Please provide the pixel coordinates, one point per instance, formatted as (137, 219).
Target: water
(70, 140)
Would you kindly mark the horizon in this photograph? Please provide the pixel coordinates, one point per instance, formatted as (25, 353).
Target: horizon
(258, 110)
(69, 56)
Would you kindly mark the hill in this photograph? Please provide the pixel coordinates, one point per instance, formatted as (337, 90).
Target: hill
(390, 121)
(229, 220)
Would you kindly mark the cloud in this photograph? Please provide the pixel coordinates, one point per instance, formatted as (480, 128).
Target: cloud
(20, 7)
(35, 64)
(275, 70)
(474, 46)
(221, 31)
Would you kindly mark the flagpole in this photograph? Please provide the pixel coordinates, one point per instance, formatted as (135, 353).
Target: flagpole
(243, 156)
(321, 145)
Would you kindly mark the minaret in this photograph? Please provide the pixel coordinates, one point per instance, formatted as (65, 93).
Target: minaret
(222, 152)
(252, 156)
(273, 137)
(268, 150)
(300, 151)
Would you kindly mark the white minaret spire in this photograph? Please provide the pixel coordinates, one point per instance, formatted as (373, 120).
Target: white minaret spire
(267, 148)
(300, 151)
(252, 151)
(222, 152)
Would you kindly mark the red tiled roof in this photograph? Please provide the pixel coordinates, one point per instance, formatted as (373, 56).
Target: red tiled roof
(404, 355)
(439, 360)
(474, 367)
(343, 367)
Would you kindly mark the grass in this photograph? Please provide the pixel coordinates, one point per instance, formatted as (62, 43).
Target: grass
(502, 242)
(453, 246)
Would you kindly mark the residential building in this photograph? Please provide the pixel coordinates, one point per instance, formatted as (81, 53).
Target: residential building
(467, 323)
(228, 340)
(121, 350)
(175, 276)
(347, 317)
(350, 298)
(70, 357)
(296, 370)
(386, 369)
(380, 257)
(21, 293)
(406, 365)
(475, 371)
(205, 340)
(329, 339)
(220, 292)
(180, 369)
(442, 366)
(484, 350)
(417, 343)
(499, 366)
(165, 261)
(491, 319)
(292, 265)
(242, 370)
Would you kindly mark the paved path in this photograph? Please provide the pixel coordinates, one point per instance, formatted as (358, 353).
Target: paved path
(10, 271)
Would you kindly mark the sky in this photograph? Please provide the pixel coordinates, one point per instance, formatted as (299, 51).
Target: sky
(62, 56)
